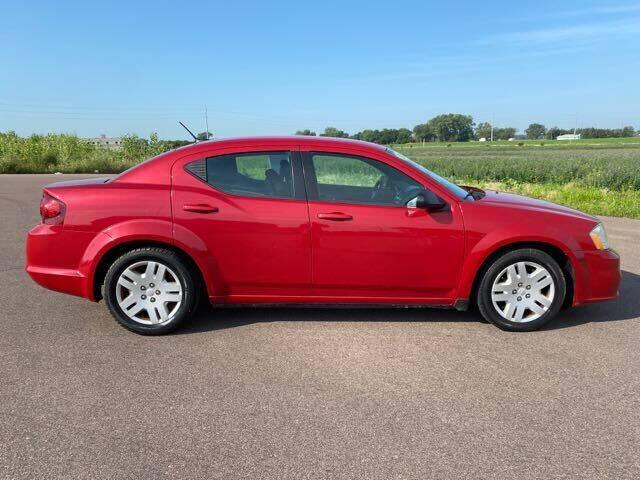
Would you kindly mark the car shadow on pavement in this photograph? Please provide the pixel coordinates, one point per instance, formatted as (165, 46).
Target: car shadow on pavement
(209, 318)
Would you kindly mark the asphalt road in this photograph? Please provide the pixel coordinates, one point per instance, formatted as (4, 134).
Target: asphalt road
(295, 393)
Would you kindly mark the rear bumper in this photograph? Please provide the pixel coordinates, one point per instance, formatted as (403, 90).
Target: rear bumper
(54, 259)
(599, 277)
(59, 279)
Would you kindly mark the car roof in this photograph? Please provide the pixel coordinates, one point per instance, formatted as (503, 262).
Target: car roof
(290, 139)
(169, 157)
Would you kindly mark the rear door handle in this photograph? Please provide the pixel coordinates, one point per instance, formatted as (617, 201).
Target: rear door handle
(200, 208)
(335, 216)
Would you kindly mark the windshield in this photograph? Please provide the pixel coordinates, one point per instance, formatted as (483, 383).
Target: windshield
(450, 186)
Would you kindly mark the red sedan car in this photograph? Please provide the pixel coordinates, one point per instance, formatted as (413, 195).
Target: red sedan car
(308, 220)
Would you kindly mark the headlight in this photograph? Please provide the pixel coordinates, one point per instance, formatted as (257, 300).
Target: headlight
(599, 237)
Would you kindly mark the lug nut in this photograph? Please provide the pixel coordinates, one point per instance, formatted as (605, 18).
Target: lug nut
(143, 288)
(519, 299)
(157, 292)
(151, 285)
(153, 299)
(514, 291)
(528, 287)
(144, 297)
(520, 284)
(528, 295)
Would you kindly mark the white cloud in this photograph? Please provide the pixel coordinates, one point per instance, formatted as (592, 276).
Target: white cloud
(446, 66)
(584, 32)
(608, 10)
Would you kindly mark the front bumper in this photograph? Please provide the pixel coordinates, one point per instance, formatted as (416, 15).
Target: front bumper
(599, 277)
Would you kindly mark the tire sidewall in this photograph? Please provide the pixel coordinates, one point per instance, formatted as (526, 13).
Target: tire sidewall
(166, 257)
(485, 303)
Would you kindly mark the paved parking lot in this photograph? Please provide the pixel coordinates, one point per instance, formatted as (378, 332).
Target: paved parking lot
(295, 393)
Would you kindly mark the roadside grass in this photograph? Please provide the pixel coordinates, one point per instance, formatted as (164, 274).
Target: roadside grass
(596, 201)
(598, 176)
(70, 154)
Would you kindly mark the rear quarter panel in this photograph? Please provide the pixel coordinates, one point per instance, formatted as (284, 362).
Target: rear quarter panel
(101, 216)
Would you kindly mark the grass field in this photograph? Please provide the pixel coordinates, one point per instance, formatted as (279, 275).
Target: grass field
(598, 176)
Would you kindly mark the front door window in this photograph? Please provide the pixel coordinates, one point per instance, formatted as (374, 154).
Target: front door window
(359, 180)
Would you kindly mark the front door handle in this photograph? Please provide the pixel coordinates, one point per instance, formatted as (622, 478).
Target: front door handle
(335, 216)
(200, 208)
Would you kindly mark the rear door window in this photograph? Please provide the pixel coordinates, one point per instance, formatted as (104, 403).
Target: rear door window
(252, 174)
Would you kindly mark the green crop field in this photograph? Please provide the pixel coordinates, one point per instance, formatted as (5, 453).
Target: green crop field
(598, 176)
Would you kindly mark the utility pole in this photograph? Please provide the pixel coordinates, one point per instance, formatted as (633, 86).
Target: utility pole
(206, 121)
(493, 117)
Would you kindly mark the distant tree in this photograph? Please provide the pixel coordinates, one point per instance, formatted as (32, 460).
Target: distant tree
(171, 144)
(535, 131)
(133, 147)
(423, 133)
(155, 146)
(368, 136)
(504, 133)
(388, 136)
(452, 127)
(483, 130)
(555, 132)
(204, 136)
(334, 132)
(628, 132)
(593, 132)
(404, 136)
(306, 132)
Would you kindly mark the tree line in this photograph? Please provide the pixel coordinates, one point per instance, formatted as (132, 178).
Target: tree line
(454, 127)
(537, 131)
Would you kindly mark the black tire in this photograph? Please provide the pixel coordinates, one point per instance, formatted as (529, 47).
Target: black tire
(185, 275)
(485, 303)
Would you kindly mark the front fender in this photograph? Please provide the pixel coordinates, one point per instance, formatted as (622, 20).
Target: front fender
(498, 239)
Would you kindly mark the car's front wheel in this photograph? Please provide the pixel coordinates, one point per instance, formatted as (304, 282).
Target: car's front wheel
(522, 290)
(150, 290)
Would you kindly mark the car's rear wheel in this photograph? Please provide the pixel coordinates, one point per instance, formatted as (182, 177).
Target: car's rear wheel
(150, 290)
(522, 290)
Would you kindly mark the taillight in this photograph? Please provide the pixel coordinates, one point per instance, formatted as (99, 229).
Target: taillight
(52, 210)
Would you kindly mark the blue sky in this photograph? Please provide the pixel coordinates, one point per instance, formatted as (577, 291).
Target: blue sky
(278, 66)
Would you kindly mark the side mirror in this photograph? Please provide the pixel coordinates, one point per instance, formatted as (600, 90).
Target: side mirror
(426, 201)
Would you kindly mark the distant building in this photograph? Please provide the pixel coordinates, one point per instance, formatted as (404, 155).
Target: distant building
(570, 136)
(112, 143)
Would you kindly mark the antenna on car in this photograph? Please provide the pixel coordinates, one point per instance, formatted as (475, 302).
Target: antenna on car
(190, 132)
